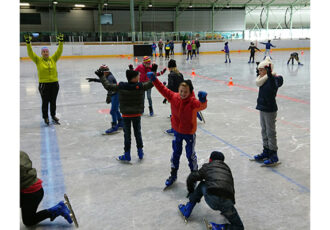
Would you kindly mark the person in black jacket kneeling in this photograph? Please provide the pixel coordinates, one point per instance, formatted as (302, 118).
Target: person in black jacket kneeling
(217, 187)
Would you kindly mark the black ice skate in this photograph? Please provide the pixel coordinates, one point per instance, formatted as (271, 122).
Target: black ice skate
(46, 121)
(72, 215)
(56, 120)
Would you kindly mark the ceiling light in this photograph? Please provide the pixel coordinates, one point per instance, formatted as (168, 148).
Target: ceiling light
(150, 5)
(79, 5)
(190, 6)
(24, 4)
(105, 4)
(227, 5)
(55, 3)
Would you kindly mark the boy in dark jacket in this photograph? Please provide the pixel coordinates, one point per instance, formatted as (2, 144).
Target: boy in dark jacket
(112, 97)
(217, 187)
(252, 49)
(295, 56)
(32, 193)
(131, 100)
(268, 83)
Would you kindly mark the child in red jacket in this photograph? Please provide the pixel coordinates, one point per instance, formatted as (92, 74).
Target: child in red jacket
(184, 108)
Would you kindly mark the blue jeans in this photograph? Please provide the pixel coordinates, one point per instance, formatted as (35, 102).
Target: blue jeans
(127, 132)
(190, 150)
(149, 97)
(114, 112)
(154, 52)
(225, 206)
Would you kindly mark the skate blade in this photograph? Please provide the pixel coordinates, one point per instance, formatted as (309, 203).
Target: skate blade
(108, 134)
(200, 113)
(72, 215)
(259, 161)
(271, 165)
(171, 134)
(124, 162)
(207, 225)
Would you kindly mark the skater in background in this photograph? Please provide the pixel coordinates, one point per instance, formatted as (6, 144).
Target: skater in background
(217, 186)
(172, 47)
(268, 46)
(47, 74)
(294, 56)
(197, 45)
(174, 80)
(153, 47)
(252, 49)
(131, 100)
(143, 69)
(184, 108)
(189, 48)
(184, 44)
(160, 47)
(268, 83)
(31, 194)
(226, 50)
(167, 50)
(193, 48)
(112, 97)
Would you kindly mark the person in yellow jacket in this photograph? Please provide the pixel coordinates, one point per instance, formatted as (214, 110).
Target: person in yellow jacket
(47, 74)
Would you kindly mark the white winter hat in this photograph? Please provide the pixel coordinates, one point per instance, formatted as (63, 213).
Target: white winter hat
(266, 63)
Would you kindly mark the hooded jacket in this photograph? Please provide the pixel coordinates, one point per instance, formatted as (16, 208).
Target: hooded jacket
(184, 111)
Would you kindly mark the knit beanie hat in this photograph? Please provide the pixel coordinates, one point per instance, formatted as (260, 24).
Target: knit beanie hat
(44, 48)
(104, 68)
(171, 63)
(266, 63)
(146, 59)
(215, 155)
(189, 83)
(130, 74)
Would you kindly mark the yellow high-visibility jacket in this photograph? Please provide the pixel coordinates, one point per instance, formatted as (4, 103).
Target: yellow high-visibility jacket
(47, 71)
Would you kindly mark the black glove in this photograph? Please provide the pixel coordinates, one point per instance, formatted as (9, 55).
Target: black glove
(269, 70)
(60, 37)
(27, 38)
(131, 67)
(99, 73)
(154, 68)
(164, 82)
(164, 101)
(93, 79)
(108, 100)
(163, 71)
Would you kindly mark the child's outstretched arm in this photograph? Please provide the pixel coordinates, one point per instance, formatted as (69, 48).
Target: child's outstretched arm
(107, 85)
(168, 94)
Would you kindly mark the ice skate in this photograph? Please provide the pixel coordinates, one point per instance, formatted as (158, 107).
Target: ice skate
(151, 111)
(112, 130)
(186, 210)
(140, 153)
(169, 182)
(46, 121)
(72, 215)
(262, 156)
(126, 158)
(60, 210)
(213, 226)
(56, 120)
(169, 131)
(272, 160)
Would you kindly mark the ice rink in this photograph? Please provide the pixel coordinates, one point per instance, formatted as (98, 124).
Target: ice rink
(74, 158)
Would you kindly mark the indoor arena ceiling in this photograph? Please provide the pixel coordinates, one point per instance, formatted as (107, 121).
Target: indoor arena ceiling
(168, 3)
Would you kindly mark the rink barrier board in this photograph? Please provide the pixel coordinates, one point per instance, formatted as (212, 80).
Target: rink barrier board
(179, 53)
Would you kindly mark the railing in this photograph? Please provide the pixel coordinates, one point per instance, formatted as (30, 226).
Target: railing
(121, 37)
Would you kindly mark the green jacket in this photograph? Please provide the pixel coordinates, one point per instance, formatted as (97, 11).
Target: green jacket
(131, 95)
(28, 175)
(47, 71)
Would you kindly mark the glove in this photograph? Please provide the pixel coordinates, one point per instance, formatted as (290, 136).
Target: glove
(93, 79)
(154, 68)
(202, 96)
(151, 76)
(164, 82)
(27, 38)
(164, 101)
(131, 67)
(60, 37)
(269, 70)
(163, 71)
(99, 73)
(108, 100)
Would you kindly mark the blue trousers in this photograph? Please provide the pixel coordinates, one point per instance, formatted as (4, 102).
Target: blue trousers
(114, 111)
(190, 150)
(149, 97)
(225, 206)
(136, 121)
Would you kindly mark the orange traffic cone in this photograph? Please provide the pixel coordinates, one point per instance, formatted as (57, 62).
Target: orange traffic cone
(156, 55)
(230, 83)
(302, 52)
(271, 51)
(193, 73)
(239, 51)
(128, 57)
(136, 60)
